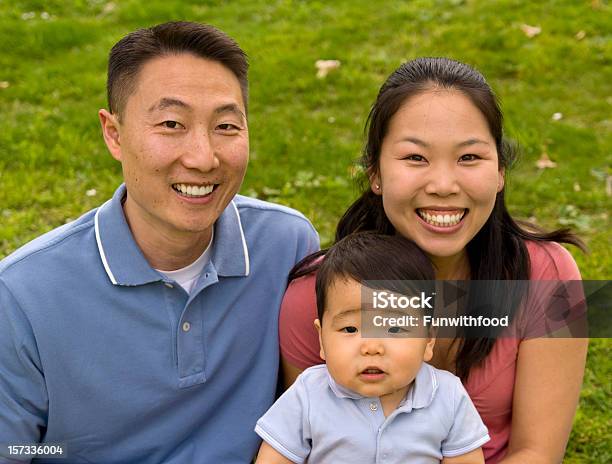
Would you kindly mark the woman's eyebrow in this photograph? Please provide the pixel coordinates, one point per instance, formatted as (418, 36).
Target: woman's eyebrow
(465, 143)
(473, 141)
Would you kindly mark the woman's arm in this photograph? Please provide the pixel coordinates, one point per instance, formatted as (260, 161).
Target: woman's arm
(547, 387)
(289, 372)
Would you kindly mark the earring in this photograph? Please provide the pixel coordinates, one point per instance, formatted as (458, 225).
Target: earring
(377, 187)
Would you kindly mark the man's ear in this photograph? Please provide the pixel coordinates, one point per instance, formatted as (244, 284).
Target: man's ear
(110, 132)
(501, 180)
(375, 185)
(317, 325)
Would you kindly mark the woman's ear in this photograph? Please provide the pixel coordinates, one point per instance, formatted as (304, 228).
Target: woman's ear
(375, 185)
(317, 325)
(501, 180)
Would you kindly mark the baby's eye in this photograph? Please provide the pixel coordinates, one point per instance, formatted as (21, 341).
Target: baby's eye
(172, 124)
(349, 329)
(469, 157)
(397, 329)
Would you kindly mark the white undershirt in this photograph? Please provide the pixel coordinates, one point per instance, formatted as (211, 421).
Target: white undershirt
(188, 276)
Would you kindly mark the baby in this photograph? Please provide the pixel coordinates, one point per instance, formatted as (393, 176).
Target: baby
(375, 400)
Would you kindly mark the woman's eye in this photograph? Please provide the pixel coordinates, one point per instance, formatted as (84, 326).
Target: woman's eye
(469, 157)
(350, 329)
(417, 158)
(171, 124)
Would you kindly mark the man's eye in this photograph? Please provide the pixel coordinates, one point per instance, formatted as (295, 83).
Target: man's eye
(469, 157)
(350, 329)
(228, 127)
(171, 124)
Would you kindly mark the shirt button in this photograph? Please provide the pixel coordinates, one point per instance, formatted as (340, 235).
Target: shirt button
(168, 284)
(373, 406)
(186, 326)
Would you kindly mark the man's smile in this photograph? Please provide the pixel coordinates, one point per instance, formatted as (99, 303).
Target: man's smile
(194, 190)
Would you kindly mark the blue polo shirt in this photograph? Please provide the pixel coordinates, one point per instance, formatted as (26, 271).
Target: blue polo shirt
(102, 353)
(323, 422)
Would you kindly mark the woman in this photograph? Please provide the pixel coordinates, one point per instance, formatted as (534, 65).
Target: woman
(435, 161)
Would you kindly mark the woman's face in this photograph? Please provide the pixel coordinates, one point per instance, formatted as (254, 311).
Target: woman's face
(438, 172)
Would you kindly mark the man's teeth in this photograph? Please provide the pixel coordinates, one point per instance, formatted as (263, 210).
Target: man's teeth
(194, 190)
(441, 220)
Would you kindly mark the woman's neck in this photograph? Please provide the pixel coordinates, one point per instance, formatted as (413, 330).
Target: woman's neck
(456, 267)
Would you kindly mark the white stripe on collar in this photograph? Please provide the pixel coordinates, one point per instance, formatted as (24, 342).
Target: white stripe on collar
(100, 248)
(247, 265)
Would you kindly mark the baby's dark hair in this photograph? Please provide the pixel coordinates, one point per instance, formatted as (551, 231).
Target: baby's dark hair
(368, 256)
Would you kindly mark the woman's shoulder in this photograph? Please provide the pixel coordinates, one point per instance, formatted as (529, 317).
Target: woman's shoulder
(551, 261)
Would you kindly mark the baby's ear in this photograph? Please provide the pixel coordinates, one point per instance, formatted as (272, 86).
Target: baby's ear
(317, 325)
(428, 353)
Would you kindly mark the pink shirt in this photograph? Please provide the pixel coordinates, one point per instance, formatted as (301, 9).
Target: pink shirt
(490, 385)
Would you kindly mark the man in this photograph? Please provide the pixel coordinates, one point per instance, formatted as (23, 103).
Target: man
(146, 330)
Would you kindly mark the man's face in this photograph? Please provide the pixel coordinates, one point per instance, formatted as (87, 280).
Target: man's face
(183, 144)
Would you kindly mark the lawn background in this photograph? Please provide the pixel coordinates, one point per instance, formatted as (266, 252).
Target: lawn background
(306, 132)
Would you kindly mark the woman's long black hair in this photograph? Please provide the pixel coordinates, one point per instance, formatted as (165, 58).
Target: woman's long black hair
(497, 251)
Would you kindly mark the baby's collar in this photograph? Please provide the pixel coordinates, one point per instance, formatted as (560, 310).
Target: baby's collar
(420, 395)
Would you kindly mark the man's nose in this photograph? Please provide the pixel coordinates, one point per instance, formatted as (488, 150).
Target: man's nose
(441, 180)
(200, 154)
(372, 346)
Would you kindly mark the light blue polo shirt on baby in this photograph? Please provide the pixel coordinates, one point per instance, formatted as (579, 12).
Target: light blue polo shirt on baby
(319, 420)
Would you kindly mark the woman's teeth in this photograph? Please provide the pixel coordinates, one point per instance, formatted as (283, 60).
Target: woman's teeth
(193, 190)
(441, 220)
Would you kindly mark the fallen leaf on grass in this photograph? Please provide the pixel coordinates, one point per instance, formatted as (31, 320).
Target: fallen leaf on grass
(545, 162)
(91, 192)
(577, 187)
(4, 85)
(557, 116)
(530, 31)
(580, 35)
(325, 66)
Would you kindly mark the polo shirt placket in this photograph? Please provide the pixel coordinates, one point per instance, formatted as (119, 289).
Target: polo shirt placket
(100, 351)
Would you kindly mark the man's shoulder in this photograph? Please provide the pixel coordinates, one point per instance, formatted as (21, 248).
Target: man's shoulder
(271, 214)
(265, 207)
(43, 247)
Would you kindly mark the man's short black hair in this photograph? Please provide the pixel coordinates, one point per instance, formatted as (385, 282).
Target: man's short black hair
(173, 38)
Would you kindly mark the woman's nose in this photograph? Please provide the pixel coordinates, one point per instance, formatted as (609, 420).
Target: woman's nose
(441, 181)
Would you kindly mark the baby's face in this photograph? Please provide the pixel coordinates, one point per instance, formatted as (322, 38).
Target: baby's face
(382, 367)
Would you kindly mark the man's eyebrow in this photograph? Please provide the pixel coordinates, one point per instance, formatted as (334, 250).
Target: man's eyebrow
(168, 102)
(230, 108)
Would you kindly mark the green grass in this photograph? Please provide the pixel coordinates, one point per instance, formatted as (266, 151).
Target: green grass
(306, 132)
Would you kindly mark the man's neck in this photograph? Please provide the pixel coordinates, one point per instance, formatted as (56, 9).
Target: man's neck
(167, 250)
